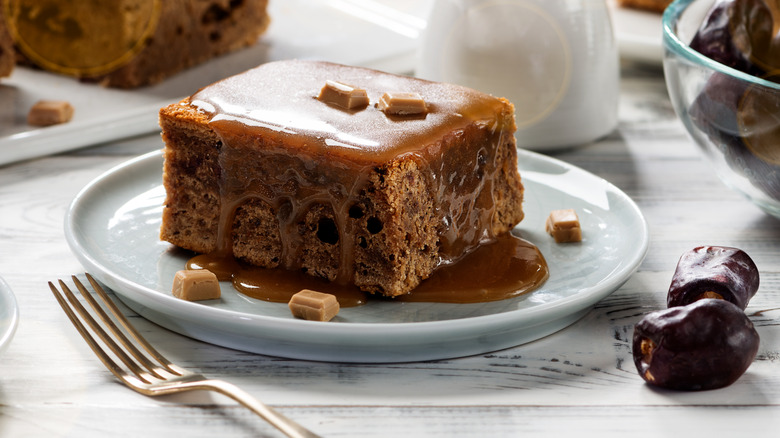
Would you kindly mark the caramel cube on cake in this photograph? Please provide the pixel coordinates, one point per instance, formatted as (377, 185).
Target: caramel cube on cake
(355, 196)
(343, 95)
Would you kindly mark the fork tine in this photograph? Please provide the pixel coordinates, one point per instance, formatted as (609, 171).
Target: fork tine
(102, 334)
(140, 380)
(118, 334)
(168, 365)
(93, 344)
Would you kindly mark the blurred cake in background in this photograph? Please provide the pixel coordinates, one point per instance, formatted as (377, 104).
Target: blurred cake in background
(131, 43)
(6, 49)
(648, 5)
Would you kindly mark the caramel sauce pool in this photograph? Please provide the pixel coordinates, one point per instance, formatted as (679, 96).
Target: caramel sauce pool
(460, 149)
(506, 268)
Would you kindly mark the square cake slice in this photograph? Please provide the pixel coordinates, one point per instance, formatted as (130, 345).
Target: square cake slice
(350, 174)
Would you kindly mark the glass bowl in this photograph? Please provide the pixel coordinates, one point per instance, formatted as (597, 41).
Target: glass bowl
(732, 116)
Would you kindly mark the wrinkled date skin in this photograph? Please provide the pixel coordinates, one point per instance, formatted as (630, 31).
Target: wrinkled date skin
(708, 344)
(714, 272)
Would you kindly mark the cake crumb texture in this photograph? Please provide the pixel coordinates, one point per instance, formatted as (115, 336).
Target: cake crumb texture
(7, 54)
(186, 33)
(380, 220)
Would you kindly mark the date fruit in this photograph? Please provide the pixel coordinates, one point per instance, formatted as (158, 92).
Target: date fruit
(739, 34)
(741, 121)
(708, 344)
(742, 34)
(714, 272)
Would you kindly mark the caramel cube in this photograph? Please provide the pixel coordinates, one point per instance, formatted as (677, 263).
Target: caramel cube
(564, 226)
(397, 103)
(49, 112)
(314, 306)
(196, 285)
(343, 95)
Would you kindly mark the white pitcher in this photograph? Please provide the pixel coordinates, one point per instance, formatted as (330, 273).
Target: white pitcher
(555, 60)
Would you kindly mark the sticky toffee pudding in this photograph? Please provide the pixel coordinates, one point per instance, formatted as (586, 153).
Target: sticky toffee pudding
(263, 171)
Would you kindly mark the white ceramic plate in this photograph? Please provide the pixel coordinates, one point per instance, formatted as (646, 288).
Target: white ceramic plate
(9, 315)
(638, 34)
(379, 34)
(113, 225)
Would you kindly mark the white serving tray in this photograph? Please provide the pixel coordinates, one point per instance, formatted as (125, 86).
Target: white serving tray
(379, 34)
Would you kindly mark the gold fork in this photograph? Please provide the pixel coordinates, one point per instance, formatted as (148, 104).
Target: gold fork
(140, 372)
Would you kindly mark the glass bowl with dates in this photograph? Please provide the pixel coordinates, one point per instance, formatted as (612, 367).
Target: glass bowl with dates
(722, 69)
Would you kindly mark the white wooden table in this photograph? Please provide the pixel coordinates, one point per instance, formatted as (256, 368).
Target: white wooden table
(579, 382)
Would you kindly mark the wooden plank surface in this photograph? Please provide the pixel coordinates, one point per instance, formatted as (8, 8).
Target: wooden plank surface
(578, 382)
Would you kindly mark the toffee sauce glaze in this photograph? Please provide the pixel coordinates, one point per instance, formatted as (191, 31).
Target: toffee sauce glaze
(327, 155)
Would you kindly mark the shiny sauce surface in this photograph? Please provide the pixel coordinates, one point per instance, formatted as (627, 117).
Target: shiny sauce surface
(504, 269)
(279, 100)
(270, 119)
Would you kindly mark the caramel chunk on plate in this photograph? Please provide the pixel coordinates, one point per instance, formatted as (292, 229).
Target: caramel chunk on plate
(564, 226)
(314, 306)
(49, 112)
(196, 285)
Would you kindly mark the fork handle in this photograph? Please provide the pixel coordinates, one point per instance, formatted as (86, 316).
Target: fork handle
(276, 419)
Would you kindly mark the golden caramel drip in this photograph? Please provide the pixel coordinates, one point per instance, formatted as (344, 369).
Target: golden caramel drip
(286, 108)
(504, 269)
(283, 146)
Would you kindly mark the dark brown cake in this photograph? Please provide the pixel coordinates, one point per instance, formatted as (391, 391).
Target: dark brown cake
(184, 33)
(648, 5)
(7, 55)
(257, 167)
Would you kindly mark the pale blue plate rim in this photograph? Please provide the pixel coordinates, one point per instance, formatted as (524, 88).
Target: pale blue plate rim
(9, 314)
(356, 341)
